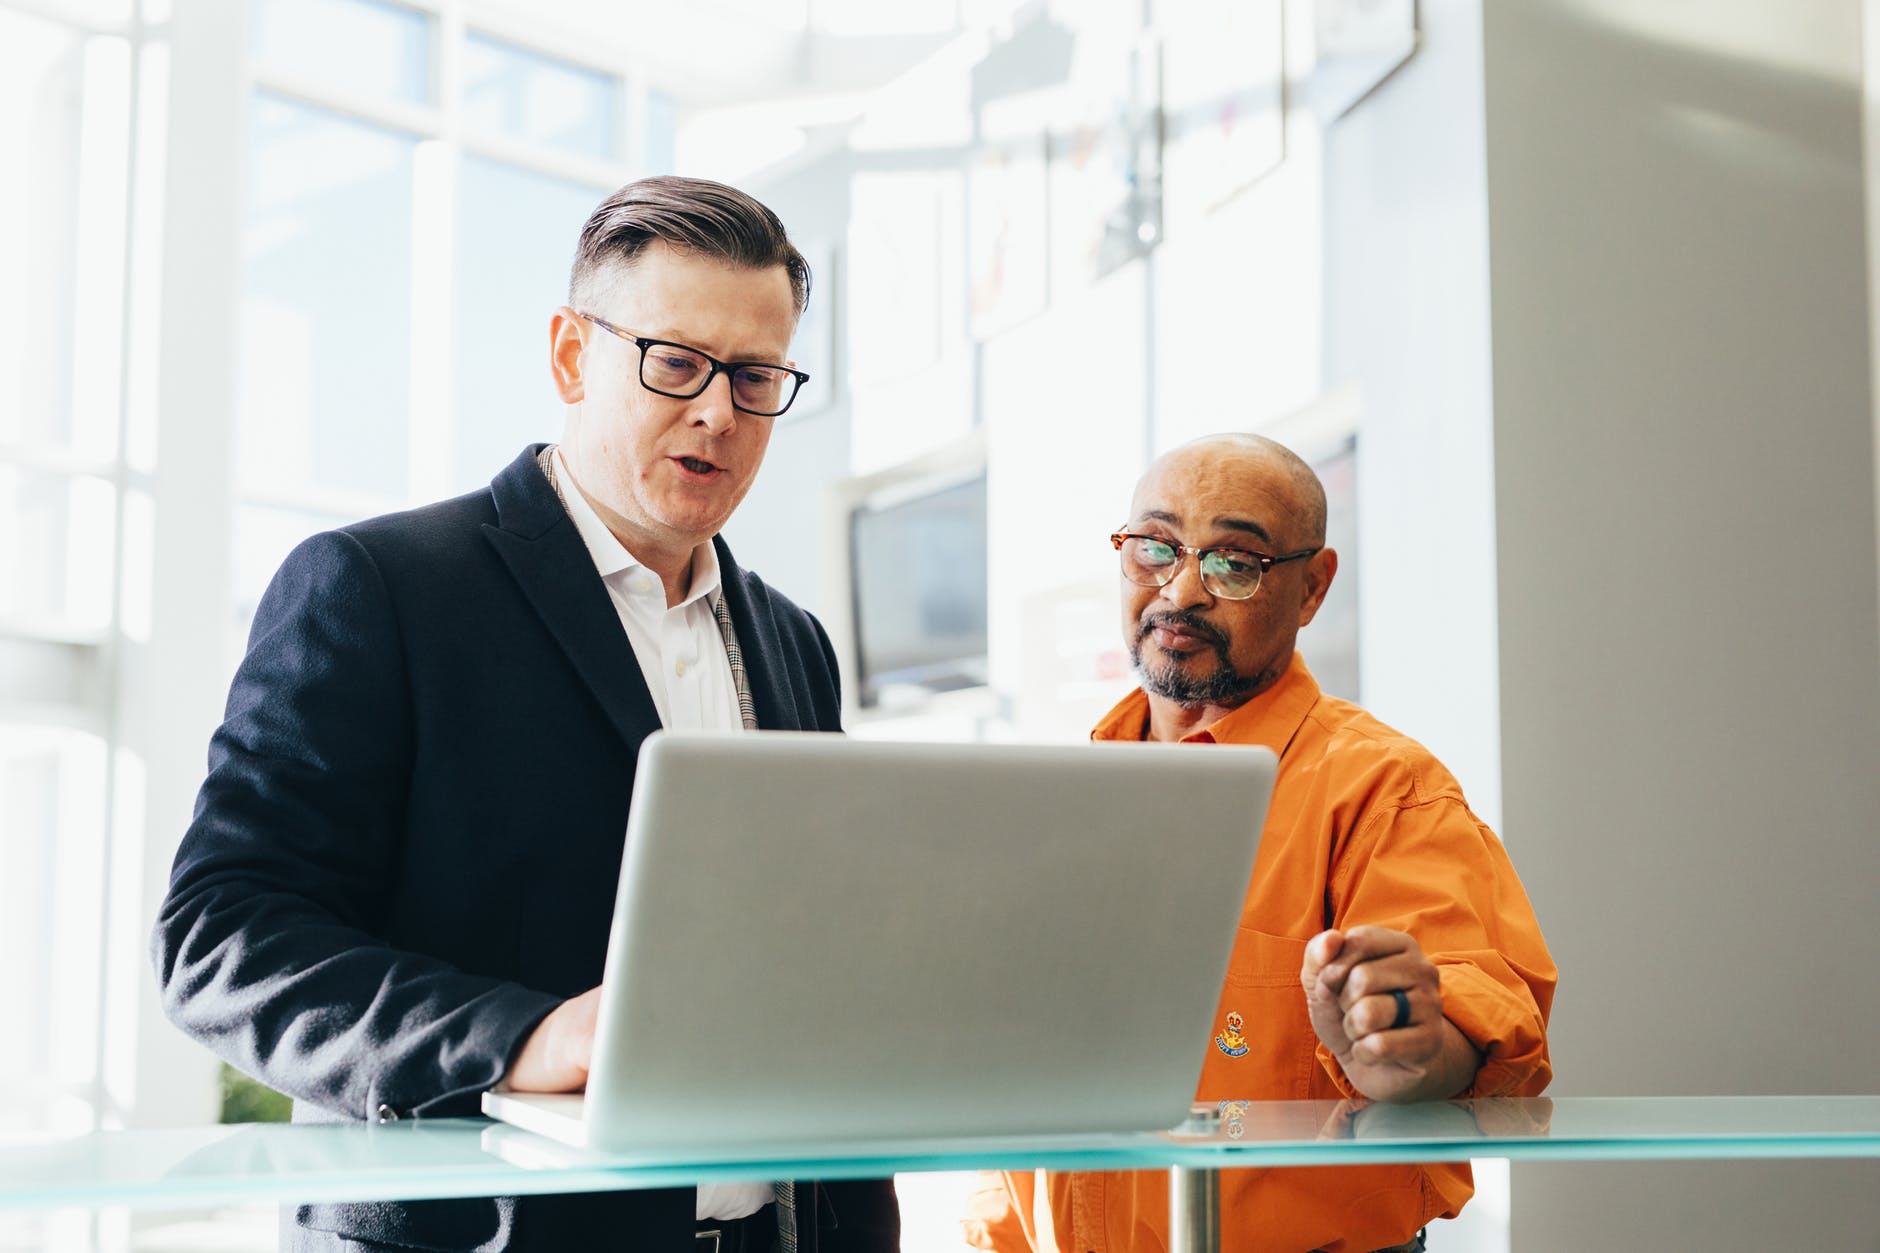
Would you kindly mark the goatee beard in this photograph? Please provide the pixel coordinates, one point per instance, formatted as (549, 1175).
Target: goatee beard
(1226, 686)
(1222, 688)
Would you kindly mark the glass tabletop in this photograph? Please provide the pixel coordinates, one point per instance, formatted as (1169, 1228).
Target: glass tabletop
(475, 1157)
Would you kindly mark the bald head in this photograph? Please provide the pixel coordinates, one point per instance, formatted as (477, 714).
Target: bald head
(1261, 467)
(1204, 642)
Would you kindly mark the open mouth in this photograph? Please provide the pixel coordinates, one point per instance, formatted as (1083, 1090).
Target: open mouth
(698, 465)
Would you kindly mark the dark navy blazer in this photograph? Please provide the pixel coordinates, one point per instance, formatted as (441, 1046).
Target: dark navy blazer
(406, 850)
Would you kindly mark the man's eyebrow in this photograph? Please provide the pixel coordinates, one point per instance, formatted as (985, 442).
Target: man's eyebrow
(1247, 525)
(752, 357)
(1243, 524)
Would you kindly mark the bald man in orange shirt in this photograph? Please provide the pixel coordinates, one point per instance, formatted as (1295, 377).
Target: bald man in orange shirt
(1386, 950)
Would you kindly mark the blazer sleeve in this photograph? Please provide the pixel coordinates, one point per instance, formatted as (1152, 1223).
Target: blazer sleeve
(269, 946)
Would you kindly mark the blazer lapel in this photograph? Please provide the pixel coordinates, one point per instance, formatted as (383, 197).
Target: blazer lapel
(763, 649)
(546, 557)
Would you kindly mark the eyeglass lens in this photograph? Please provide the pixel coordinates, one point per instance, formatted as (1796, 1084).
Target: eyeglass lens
(1153, 563)
(681, 372)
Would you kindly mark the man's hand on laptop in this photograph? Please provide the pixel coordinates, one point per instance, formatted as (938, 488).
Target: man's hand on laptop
(556, 1055)
(1377, 1004)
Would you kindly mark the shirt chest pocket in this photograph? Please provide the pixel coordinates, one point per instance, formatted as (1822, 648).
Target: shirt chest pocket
(1262, 1047)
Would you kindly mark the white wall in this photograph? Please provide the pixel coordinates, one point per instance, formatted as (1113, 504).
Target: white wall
(1406, 320)
(1685, 510)
(776, 531)
(172, 681)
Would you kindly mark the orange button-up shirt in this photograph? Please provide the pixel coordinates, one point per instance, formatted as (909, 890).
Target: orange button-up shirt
(1365, 826)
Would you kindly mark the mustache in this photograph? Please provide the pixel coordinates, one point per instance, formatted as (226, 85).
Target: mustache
(1186, 620)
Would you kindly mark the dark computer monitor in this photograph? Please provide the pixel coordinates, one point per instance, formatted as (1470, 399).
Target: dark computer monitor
(918, 582)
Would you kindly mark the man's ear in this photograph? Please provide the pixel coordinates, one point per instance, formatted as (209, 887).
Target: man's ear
(567, 339)
(1321, 569)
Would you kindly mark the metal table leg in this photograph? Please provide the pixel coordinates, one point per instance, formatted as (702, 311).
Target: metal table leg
(1194, 1209)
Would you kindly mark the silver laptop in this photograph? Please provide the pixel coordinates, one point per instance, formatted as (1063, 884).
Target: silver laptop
(823, 940)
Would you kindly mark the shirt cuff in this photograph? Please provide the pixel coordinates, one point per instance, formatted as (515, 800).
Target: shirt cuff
(1505, 1028)
(1508, 1033)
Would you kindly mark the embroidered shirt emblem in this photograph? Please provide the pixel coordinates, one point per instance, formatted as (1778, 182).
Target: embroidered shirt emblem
(1233, 1114)
(1230, 1041)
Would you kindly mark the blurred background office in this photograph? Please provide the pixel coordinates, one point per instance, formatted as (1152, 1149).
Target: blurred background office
(1569, 300)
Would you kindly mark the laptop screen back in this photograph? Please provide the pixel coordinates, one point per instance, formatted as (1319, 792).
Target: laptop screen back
(825, 938)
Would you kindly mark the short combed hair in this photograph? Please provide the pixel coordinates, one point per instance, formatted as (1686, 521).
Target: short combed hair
(690, 214)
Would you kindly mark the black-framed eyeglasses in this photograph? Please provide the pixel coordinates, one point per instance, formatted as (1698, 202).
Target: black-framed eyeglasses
(757, 387)
(1230, 573)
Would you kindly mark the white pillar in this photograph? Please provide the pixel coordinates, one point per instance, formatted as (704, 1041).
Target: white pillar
(172, 685)
(1685, 496)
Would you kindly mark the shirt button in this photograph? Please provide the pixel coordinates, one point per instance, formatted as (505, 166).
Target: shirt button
(679, 667)
(641, 585)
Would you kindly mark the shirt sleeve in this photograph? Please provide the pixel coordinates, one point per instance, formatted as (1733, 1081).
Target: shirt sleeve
(1427, 866)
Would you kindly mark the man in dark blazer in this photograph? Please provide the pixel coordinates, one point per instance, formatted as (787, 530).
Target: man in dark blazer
(397, 887)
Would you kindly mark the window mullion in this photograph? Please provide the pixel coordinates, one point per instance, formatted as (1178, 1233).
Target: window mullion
(430, 429)
(170, 685)
(569, 167)
(423, 121)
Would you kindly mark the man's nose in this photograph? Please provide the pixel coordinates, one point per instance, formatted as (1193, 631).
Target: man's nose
(1185, 588)
(712, 408)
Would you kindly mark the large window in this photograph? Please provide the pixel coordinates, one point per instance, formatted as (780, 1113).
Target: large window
(411, 184)
(414, 185)
(326, 308)
(507, 283)
(64, 136)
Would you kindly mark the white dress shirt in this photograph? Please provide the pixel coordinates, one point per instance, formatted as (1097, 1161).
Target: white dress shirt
(680, 650)
(682, 656)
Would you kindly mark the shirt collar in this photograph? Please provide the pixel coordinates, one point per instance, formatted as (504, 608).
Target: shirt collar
(1269, 719)
(611, 557)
